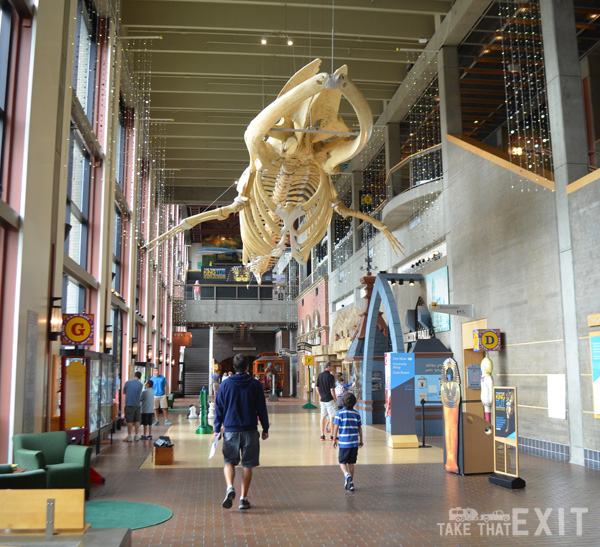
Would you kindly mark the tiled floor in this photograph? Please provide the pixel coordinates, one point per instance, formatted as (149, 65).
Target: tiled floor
(402, 497)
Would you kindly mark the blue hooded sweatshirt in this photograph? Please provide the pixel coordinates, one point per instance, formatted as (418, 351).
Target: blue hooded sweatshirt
(239, 401)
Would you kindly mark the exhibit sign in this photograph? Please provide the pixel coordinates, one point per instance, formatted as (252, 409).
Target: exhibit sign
(595, 354)
(400, 398)
(474, 376)
(486, 340)
(214, 275)
(437, 292)
(428, 371)
(593, 320)
(461, 310)
(78, 329)
(506, 443)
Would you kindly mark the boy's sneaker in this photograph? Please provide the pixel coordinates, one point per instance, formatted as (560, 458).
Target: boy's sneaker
(136, 438)
(229, 497)
(244, 504)
(128, 439)
(351, 486)
(143, 437)
(167, 422)
(155, 422)
(331, 438)
(322, 437)
(149, 437)
(347, 482)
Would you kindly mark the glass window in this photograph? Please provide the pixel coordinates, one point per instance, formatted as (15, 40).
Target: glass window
(84, 70)
(73, 300)
(117, 239)
(78, 198)
(5, 25)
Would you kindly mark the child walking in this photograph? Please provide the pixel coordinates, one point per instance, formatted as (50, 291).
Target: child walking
(147, 403)
(347, 421)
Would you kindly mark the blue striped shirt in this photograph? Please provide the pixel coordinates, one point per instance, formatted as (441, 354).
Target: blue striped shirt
(348, 420)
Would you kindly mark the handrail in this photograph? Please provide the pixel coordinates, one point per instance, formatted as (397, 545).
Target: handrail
(408, 158)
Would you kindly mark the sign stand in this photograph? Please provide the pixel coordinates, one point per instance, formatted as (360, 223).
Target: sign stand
(308, 361)
(506, 439)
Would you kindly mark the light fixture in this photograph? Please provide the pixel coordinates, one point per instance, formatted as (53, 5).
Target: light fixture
(56, 319)
(263, 40)
(149, 354)
(134, 349)
(290, 42)
(160, 357)
(401, 282)
(108, 338)
(173, 362)
(411, 282)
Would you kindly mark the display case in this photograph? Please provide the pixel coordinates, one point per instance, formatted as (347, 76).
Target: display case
(352, 371)
(88, 388)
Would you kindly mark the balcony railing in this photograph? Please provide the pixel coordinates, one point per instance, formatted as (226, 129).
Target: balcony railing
(233, 292)
(322, 270)
(342, 250)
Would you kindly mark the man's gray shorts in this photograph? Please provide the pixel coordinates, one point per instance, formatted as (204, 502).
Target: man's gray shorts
(244, 442)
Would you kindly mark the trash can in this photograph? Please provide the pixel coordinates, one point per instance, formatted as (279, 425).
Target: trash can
(170, 398)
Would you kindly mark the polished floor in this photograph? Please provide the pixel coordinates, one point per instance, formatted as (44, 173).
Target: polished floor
(402, 497)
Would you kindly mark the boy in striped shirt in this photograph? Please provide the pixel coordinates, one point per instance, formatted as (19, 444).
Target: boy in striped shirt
(347, 421)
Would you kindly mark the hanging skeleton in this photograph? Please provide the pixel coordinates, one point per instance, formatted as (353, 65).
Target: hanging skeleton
(285, 196)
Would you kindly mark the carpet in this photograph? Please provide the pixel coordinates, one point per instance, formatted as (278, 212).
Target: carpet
(124, 514)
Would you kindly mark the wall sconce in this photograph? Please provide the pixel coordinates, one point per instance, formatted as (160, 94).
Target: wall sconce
(160, 357)
(134, 349)
(149, 354)
(56, 319)
(173, 362)
(108, 338)
(411, 283)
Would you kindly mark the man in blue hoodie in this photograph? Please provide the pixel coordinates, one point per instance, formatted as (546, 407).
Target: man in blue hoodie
(240, 400)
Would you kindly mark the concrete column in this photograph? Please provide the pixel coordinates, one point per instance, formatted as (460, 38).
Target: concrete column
(393, 155)
(569, 145)
(450, 122)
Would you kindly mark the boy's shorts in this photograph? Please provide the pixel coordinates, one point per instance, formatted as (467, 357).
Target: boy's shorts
(348, 455)
(245, 442)
(147, 418)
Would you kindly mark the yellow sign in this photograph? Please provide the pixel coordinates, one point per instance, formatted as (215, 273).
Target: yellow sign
(486, 340)
(594, 320)
(309, 360)
(78, 329)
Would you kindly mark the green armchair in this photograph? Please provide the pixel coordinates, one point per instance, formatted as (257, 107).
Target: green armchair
(28, 479)
(66, 465)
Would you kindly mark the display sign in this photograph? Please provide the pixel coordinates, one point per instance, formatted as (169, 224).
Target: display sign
(595, 354)
(474, 377)
(215, 275)
(427, 379)
(505, 420)
(464, 310)
(594, 320)
(399, 397)
(182, 338)
(78, 329)
(506, 442)
(437, 291)
(486, 340)
(308, 360)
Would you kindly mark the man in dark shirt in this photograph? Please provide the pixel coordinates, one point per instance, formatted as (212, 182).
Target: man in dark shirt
(239, 401)
(326, 390)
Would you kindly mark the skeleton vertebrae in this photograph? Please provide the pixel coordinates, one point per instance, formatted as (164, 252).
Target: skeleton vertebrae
(286, 196)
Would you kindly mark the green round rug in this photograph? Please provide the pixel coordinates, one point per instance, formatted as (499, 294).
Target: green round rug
(124, 514)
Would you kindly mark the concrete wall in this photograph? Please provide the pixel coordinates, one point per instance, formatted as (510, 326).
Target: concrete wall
(505, 262)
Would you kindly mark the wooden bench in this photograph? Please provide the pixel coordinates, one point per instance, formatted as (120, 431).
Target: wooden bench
(45, 511)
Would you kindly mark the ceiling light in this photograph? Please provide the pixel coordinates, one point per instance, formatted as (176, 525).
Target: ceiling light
(411, 283)
(290, 42)
(423, 40)
(263, 40)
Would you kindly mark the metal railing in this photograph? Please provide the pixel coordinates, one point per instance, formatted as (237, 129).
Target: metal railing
(231, 292)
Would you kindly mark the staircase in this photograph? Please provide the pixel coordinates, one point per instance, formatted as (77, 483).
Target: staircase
(197, 362)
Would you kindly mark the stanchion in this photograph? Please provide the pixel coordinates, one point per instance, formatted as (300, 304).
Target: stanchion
(204, 428)
(423, 424)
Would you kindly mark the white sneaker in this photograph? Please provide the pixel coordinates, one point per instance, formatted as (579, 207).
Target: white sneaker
(128, 439)
(136, 438)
